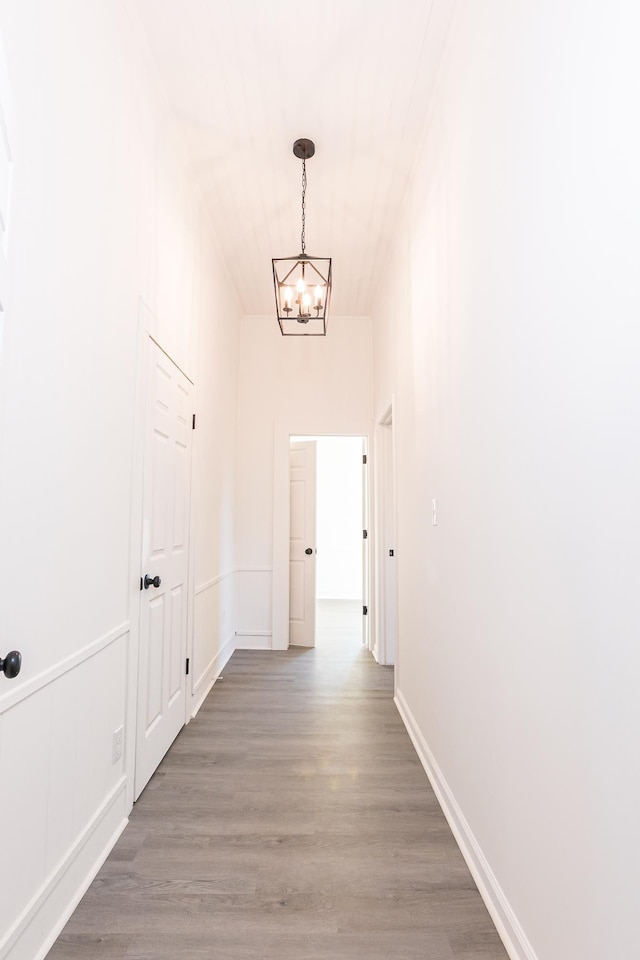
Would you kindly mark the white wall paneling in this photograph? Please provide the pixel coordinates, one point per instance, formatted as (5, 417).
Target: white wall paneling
(214, 639)
(61, 791)
(253, 608)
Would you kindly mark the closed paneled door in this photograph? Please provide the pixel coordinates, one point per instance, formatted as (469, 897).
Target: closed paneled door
(302, 544)
(165, 563)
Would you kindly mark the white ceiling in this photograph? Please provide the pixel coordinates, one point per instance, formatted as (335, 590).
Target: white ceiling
(248, 77)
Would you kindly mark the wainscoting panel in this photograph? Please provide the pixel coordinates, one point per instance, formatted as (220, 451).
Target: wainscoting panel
(60, 786)
(213, 634)
(254, 608)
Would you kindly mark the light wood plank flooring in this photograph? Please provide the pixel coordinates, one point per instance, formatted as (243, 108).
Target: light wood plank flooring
(291, 820)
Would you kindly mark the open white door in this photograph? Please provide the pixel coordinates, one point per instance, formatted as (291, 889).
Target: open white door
(165, 564)
(302, 544)
(387, 545)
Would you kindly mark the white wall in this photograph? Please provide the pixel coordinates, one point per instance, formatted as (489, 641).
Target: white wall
(103, 213)
(339, 518)
(509, 333)
(213, 486)
(287, 385)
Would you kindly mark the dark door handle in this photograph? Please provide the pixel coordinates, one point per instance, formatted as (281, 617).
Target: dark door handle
(151, 581)
(308, 551)
(11, 665)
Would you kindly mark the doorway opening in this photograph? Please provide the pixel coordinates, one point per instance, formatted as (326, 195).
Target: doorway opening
(327, 560)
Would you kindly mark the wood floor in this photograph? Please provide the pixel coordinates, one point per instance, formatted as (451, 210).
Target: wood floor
(291, 820)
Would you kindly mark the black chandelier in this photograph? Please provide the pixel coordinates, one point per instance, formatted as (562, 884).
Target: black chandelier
(303, 283)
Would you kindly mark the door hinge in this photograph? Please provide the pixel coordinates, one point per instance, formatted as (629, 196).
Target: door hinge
(365, 611)
(193, 422)
(365, 534)
(187, 669)
(364, 458)
(141, 587)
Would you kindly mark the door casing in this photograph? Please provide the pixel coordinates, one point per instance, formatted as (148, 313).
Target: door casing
(167, 482)
(284, 430)
(146, 324)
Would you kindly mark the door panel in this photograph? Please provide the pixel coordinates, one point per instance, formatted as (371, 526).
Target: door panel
(165, 553)
(302, 533)
(154, 668)
(296, 590)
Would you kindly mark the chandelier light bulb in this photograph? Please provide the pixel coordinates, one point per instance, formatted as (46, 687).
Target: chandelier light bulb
(318, 296)
(301, 286)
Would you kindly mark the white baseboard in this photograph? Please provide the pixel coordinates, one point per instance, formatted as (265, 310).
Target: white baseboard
(38, 927)
(260, 640)
(511, 933)
(213, 671)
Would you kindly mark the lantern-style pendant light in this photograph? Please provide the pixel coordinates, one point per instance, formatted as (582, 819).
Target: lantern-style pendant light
(303, 283)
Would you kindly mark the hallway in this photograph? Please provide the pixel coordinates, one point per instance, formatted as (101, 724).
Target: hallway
(291, 819)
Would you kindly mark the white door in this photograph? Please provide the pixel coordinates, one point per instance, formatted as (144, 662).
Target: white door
(366, 636)
(389, 561)
(302, 544)
(165, 563)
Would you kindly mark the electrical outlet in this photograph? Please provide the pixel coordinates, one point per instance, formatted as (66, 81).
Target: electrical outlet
(118, 739)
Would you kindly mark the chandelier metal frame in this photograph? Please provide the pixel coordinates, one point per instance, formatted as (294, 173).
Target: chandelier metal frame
(302, 283)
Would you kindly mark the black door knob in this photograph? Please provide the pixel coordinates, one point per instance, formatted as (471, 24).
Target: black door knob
(151, 581)
(11, 665)
(308, 551)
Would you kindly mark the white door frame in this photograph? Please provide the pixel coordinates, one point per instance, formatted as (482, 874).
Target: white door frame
(284, 430)
(147, 323)
(385, 501)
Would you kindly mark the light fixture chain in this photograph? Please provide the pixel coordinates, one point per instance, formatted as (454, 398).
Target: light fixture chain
(304, 191)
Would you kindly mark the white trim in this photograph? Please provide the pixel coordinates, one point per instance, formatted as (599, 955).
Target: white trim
(27, 689)
(258, 640)
(511, 933)
(214, 580)
(254, 570)
(214, 666)
(27, 920)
